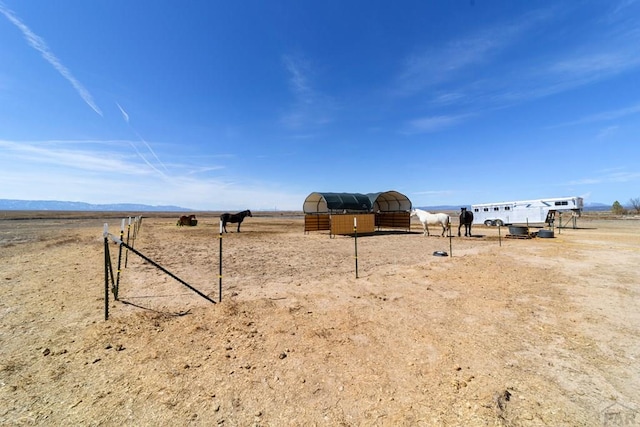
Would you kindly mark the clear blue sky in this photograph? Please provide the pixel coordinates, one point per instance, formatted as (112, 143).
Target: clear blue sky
(230, 105)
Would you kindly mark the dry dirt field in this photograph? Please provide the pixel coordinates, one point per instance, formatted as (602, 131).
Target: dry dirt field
(505, 332)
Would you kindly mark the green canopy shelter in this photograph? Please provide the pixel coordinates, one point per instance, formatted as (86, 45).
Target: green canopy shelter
(317, 203)
(388, 209)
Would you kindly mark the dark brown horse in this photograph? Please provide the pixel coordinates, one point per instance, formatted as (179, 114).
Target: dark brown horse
(233, 218)
(466, 218)
(187, 220)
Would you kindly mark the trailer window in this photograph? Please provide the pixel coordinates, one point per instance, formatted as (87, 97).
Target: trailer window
(496, 208)
(562, 203)
(507, 208)
(476, 210)
(486, 209)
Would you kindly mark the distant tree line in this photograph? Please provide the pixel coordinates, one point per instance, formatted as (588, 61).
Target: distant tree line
(634, 205)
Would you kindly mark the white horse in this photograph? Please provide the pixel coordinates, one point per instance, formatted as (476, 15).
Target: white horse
(427, 218)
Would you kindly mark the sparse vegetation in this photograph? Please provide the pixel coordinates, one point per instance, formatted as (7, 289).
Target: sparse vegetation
(618, 209)
(635, 204)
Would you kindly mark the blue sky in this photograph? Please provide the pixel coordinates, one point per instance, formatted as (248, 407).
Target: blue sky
(222, 105)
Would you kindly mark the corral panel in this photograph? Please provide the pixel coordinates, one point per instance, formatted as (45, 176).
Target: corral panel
(343, 224)
(317, 222)
(393, 220)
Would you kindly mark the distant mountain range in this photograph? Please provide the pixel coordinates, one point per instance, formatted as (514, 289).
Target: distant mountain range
(597, 207)
(55, 205)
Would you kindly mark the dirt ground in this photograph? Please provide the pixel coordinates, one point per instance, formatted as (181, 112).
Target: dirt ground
(505, 332)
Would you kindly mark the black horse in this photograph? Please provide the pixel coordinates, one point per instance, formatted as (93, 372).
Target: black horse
(466, 218)
(233, 218)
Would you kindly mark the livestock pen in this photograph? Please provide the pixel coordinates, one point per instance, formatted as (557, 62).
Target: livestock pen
(335, 211)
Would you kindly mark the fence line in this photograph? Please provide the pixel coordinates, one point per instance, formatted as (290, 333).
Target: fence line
(108, 268)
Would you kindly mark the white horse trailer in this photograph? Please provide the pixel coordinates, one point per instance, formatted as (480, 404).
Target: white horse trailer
(538, 211)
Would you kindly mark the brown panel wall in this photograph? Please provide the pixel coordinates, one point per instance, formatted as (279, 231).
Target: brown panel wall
(317, 222)
(343, 223)
(393, 220)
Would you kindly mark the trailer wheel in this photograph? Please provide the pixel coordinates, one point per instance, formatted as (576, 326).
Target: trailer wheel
(488, 223)
(499, 223)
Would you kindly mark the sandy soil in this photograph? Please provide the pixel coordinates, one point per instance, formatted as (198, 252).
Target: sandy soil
(539, 332)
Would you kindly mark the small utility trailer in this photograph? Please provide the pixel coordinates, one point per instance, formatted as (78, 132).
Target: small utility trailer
(539, 211)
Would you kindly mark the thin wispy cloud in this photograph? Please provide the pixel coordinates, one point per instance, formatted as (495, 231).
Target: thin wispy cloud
(585, 181)
(607, 50)
(595, 63)
(624, 177)
(433, 123)
(125, 115)
(607, 132)
(311, 109)
(100, 155)
(145, 159)
(624, 5)
(430, 68)
(603, 116)
(153, 153)
(54, 154)
(549, 78)
(299, 81)
(431, 72)
(203, 170)
(591, 65)
(39, 44)
(607, 178)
